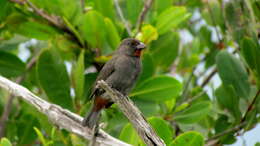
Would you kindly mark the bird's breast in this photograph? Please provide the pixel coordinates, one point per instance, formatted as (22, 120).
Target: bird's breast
(127, 76)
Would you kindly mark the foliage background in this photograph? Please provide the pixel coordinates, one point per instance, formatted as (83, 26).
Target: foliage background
(56, 48)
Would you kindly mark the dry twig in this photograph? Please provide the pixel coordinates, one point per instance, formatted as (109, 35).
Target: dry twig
(134, 116)
(120, 13)
(141, 17)
(60, 117)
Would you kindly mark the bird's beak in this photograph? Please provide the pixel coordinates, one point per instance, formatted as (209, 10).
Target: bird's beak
(141, 46)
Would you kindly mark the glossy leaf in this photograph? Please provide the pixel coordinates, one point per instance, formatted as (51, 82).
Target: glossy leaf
(106, 8)
(93, 28)
(158, 88)
(194, 113)
(113, 37)
(162, 5)
(53, 78)
(234, 21)
(5, 142)
(10, 65)
(89, 81)
(251, 52)
(228, 99)
(158, 124)
(40, 136)
(171, 18)
(36, 30)
(6, 9)
(167, 44)
(190, 138)
(215, 12)
(78, 76)
(233, 73)
(66, 8)
(148, 34)
(129, 135)
(74, 30)
(148, 108)
(148, 68)
(26, 132)
(133, 9)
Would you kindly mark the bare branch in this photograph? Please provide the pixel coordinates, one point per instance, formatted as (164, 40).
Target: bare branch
(52, 19)
(147, 5)
(62, 118)
(234, 129)
(120, 13)
(209, 77)
(239, 126)
(134, 115)
(56, 21)
(250, 107)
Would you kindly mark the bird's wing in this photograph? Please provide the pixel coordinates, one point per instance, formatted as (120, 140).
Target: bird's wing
(105, 72)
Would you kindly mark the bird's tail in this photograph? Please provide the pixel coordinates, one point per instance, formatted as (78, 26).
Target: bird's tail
(92, 118)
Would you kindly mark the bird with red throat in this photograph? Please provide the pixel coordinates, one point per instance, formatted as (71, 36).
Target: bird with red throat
(120, 73)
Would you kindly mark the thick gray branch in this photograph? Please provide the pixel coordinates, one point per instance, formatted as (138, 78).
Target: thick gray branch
(62, 118)
(134, 115)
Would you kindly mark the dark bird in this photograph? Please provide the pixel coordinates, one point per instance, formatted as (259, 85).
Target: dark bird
(120, 73)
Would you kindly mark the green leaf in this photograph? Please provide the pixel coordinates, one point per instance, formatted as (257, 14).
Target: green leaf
(13, 43)
(162, 128)
(158, 88)
(25, 130)
(89, 81)
(36, 30)
(171, 18)
(234, 20)
(228, 99)
(222, 124)
(148, 108)
(191, 138)
(93, 28)
(205, 37)
(78, 76)
(147, 34)
(65, 8)
(162, 5)
(129, 135)
(215, 17)
(113, 37)
(10, 65)
(5, 142)
(233, 73)
(74, 30)
(251, 51)
(194, 113)
(148, 68)
(54, 79)
(133, 9)
(6, 9)
(70, 8)
(40, 136)
(106, 8)
(165, 49)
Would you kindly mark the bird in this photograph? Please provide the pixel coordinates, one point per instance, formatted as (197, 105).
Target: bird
(120, 72)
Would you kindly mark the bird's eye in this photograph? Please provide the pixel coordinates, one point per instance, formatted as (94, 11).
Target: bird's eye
(134, 43)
